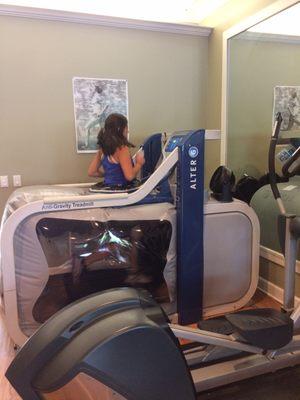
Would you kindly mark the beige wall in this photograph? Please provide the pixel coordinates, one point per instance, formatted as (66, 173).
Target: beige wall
(167, 75)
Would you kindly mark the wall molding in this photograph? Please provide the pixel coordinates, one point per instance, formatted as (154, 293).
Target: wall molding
(114, 22)
(276, 257)
(269, 37)
(274, 291)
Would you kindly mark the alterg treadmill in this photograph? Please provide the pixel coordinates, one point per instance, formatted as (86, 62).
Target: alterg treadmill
(61, 243)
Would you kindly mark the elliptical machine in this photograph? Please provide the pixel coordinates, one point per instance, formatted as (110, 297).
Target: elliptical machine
(288, 224)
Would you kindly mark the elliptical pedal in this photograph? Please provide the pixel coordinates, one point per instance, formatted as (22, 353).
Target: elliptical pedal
(266, 328)
(217, 325)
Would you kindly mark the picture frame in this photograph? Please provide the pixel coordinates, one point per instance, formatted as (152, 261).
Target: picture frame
(94, 100)
(287, 101)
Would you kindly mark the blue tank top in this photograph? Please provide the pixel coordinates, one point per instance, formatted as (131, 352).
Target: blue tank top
(113, 173)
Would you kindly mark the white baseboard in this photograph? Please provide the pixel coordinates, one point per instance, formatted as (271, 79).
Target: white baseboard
(274, 291)
(276, 257)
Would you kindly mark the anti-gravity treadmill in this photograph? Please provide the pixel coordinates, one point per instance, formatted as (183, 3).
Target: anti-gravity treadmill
(62, 243)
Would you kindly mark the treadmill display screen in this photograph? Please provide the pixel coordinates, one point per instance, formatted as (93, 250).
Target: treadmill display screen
(173, 143)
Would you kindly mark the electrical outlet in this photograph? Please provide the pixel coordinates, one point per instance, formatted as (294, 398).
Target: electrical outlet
(17, 180)
(4, 181)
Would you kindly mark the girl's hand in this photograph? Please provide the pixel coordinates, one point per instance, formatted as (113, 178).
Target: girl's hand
(139, 158)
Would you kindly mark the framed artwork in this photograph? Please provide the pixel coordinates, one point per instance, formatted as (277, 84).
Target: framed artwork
(287, 101)
(94, 100)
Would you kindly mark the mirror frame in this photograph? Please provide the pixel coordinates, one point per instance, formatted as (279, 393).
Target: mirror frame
(242, 26)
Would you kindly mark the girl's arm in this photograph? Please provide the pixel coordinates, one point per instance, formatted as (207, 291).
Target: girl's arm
(94, 168)
(125, 161)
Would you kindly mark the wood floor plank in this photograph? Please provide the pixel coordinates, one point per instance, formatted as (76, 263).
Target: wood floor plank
(281, 385)
(6, 355)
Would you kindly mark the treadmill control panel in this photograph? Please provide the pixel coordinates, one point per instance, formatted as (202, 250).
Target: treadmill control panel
(173, 142)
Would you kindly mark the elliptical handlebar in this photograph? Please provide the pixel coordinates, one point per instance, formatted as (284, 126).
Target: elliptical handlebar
(272, 170)
(272, 149)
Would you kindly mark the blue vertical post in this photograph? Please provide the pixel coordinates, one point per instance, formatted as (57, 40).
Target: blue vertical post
(152, 152)
(190, 197)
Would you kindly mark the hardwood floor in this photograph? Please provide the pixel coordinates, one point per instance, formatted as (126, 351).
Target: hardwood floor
(280, 385)
(6, 355)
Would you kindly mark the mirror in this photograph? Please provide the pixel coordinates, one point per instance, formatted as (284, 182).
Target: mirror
(263, 78)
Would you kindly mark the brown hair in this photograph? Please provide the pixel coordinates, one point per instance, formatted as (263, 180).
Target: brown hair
(111, 137)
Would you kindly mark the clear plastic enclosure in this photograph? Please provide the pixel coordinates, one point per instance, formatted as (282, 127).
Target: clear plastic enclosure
(102, 255)
(62, 256)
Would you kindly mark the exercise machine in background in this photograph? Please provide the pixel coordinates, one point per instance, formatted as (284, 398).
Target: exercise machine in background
(288, 224)
(277, 207)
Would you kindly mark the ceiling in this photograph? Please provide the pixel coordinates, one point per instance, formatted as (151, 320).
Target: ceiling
(190, 12)
(284, 23)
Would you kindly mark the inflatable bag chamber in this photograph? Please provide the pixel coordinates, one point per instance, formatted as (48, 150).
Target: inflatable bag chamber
(62, 256)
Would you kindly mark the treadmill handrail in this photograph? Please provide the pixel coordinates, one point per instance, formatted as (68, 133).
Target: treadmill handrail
(132, 198)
